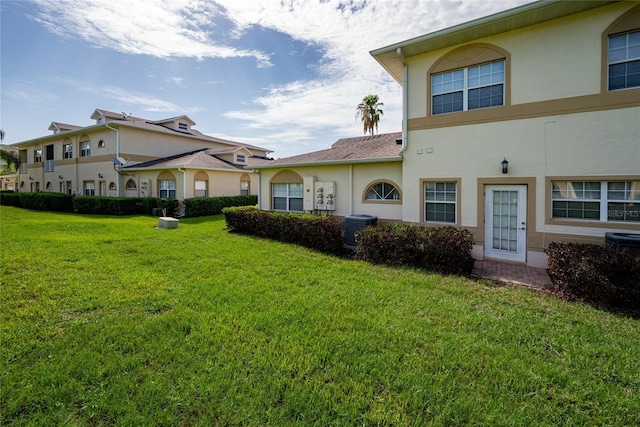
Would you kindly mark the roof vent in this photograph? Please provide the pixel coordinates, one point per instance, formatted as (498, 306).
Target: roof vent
(399, 141)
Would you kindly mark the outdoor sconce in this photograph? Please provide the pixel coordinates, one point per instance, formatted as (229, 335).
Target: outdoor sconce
(505, 165)
(60, 177)
(100, 175)
(30, 179)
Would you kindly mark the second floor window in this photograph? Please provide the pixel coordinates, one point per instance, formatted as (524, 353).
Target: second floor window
(85, 149)
(37, 155)
(470, 88)
(624, 61)
(67, 151)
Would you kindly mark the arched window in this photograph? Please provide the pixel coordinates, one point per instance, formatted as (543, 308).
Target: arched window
(112, 186)
(469, 78)
(130, 185)
(382, 190)
(48, 186)
(622, 39)
(286, 191)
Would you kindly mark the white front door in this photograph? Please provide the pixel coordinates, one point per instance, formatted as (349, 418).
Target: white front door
(505, 229)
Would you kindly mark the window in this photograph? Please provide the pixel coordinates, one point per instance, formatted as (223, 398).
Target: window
(89, 188)
(67, 151)
(244, 188)
(85, 149)
(440, 201)
(624, 61)
(182, 126)
(167, 189)
(470, 88)
(201, 188)
(48, 186)
(240, 158)
(382, 191)
(37, 155)
(596, 201)
(130, 185)
(112, 186)
(101, 143)
(287, 197)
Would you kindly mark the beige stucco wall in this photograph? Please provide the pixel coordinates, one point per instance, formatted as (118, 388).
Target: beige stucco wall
(553, 60)
(559, 121)
(351, 184)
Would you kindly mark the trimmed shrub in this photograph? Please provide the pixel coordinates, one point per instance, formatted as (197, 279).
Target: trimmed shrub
(444, 250)
(44, 201)
(122, 205)
(321, 233)
(203, 206)
(595, 275)
(9, 198)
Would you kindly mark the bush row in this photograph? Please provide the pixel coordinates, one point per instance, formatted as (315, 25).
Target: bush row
(59, 202)
(595, 275)
(122, 205)
(444, 250)
(9, 198)
(203, 206)
(322, 233)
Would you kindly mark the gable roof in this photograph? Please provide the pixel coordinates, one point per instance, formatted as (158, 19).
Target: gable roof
(363, 149)
(62, 127)
(519, 17)
(198, 159)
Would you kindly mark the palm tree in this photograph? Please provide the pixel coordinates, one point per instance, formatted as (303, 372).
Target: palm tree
(369, 112)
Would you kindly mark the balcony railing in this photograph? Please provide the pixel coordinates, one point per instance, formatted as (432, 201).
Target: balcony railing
(23, 168)
(48, 166)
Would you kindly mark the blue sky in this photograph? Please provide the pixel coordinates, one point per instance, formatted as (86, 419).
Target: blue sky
(285, 75)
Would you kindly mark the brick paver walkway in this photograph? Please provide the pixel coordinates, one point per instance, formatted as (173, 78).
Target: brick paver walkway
(520, 275)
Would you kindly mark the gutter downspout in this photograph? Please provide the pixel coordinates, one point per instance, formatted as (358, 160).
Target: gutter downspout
(184, 183)
(117, 155)
(405, 99)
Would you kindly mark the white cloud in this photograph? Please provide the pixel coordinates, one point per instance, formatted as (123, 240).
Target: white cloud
(288, 117)
(162, 28)
(346, 31)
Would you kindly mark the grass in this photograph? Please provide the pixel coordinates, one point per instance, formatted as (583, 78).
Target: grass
(108, 321)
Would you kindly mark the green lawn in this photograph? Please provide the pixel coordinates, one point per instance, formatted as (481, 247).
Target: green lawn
(108, 321)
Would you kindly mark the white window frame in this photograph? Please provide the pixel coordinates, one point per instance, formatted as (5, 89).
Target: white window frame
(67, 151)
(292, 191)
(244, 188)
(604, 213)
(630, 55)
(240, 158)
(183, 126)
(85, 148)
(441, 197)
(89, 188)
(467, 86)
(167, 188)
(130, 185)
(203, 191)
(37, 155)
(386, 192)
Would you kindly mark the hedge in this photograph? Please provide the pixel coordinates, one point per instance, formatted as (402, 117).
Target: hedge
(9, 198)
(321, 233)
(444, 250)
(46, 201)
(204, 206)
(595, 275)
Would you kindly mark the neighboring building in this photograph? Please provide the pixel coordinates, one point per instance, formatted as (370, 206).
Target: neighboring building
(552, 88)
(361, 174)
(128, 156)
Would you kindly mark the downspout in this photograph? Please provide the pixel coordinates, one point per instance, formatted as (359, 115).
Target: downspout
(117, 155)
(405, 99)
(184, 183)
